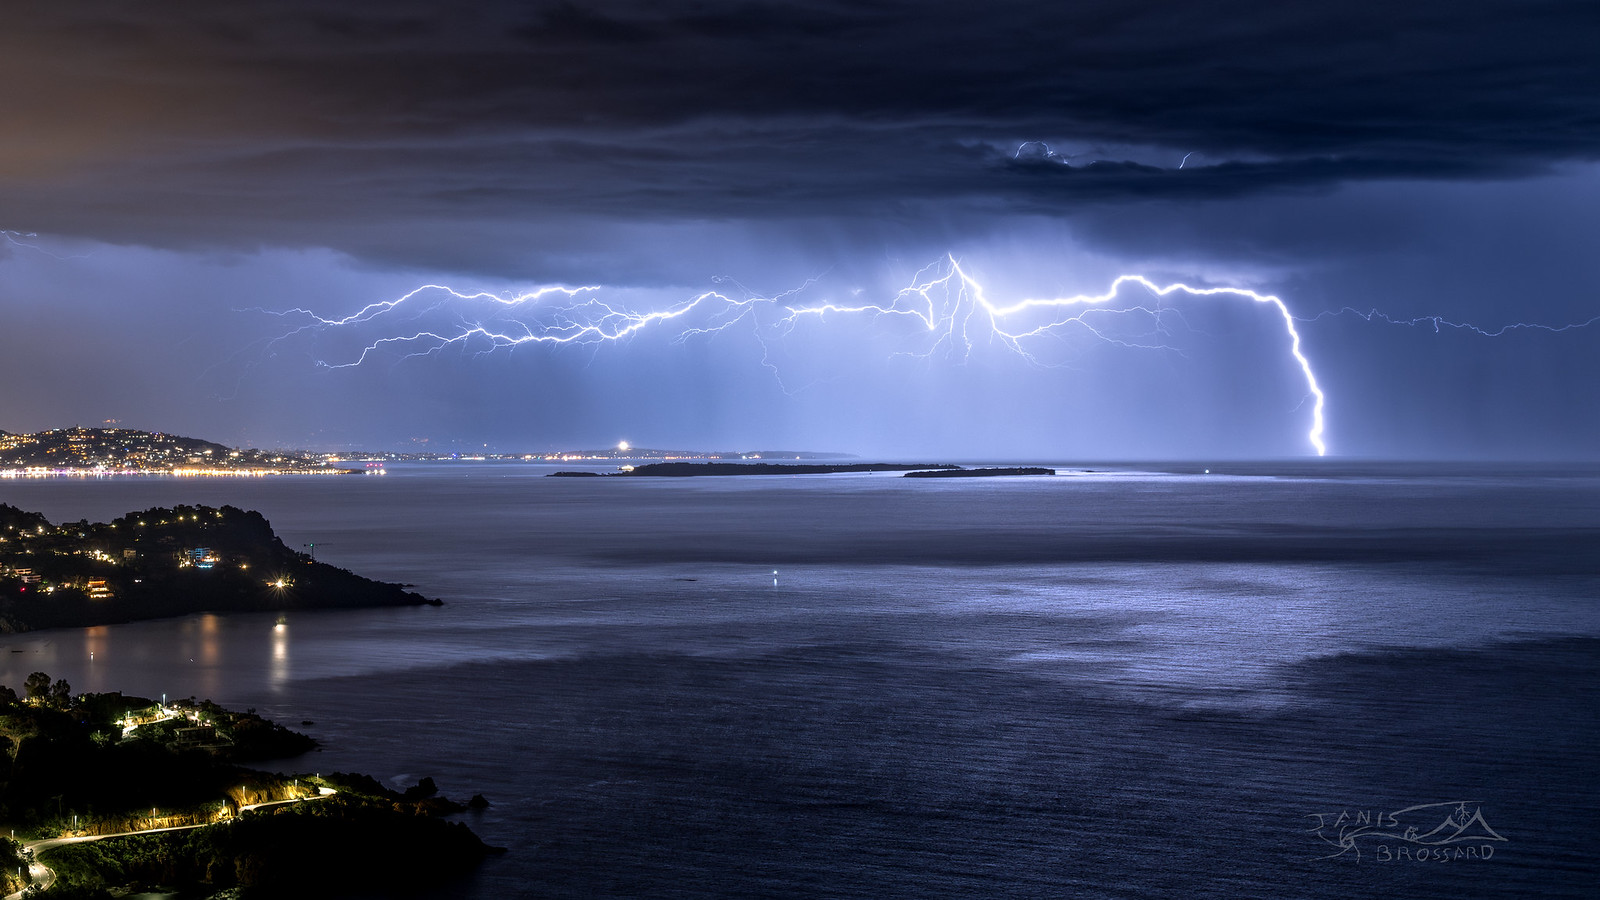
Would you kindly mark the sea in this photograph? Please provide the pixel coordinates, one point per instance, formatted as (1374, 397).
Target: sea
(1302, 679)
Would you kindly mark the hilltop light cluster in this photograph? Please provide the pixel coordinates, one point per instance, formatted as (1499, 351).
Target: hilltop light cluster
(123, 451)
(91, 558)
(165, 562)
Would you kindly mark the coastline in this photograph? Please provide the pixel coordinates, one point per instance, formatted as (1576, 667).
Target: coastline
(169, 805)
(163, 562)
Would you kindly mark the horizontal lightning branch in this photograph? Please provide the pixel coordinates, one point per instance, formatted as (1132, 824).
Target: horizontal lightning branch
(1440, 324)
(943, 302)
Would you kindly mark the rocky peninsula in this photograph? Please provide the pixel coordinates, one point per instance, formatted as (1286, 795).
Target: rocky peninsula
(165, 562)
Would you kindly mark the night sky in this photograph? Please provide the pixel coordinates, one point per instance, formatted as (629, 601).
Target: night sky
(188, 186)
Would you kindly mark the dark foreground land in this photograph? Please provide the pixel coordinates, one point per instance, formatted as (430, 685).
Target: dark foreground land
(165, 562)
(96, 765)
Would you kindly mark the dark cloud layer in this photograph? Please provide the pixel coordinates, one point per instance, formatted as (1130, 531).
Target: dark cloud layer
(343, 124)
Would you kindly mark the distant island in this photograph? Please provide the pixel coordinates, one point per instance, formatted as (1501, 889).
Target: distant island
(124, 451)
(992, 472)
(105, 794)
(911, 470)
(689, 469)
(165, 562)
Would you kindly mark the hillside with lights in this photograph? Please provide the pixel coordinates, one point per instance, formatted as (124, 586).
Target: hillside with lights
(108, 795)
(165, 562)
(128, 451)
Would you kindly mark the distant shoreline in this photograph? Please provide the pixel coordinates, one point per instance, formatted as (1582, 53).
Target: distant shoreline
(709, 469)
(691, 470)
(168, 473)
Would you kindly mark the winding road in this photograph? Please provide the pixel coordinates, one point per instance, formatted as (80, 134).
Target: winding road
(43, 876)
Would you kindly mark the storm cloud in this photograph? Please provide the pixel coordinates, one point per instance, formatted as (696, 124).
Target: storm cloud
(187, 166)
(338, 124)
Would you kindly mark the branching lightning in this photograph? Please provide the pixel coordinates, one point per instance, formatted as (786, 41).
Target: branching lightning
(1440, 323)
(943, 302)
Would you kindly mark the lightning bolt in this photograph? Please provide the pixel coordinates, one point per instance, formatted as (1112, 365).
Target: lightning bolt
(1440, 324)
(22, 238)
(1035, 151)
(942, 301)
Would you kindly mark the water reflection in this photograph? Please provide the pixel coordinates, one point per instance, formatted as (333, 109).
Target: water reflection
(200, 649)
(210, 647)
(227, 658)
(95, 644)
(278, 670)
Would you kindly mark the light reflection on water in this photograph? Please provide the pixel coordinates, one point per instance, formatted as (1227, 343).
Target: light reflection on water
(1186, 630)
(279, 673)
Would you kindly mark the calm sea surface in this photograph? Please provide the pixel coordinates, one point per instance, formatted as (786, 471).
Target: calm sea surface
(1118, 684)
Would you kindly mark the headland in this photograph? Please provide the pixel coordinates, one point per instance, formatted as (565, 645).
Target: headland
(165, 562)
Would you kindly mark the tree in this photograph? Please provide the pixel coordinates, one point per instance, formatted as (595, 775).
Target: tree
(61, 694)
(37, 686)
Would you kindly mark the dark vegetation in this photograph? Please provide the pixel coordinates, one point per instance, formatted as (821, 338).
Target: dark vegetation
(64, 759)
(67, 768)
(164, 562)
(12, 863)
(234, 736)
(339, 846)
